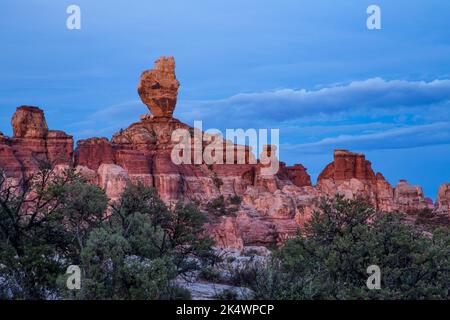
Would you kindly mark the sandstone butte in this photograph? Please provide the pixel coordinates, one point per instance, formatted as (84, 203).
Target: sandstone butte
(271, 208)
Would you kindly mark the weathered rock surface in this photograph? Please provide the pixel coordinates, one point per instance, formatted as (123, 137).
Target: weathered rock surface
(33, 144)
(258, 208)
(351, 175)
(443, 199)
(298, 175)
(93, 152)
(409, 198)
(158, 88)
(113, 179)
(29, 122)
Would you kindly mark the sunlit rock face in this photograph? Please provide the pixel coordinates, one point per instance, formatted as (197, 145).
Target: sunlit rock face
(351, 175)
(33, 144)
(245, 206)
(29, 122)
(158, 88)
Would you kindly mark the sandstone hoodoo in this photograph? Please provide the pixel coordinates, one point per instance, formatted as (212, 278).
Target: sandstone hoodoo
(158, 88)
(33, 143)
(29, 122)
(244, 206)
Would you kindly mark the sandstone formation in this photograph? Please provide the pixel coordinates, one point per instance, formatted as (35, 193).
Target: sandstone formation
(158, 88)
(409, 198)
(351, 175)
(33, 144)
(29, 122)
(298, 175)
(443, 199)
(245, 205)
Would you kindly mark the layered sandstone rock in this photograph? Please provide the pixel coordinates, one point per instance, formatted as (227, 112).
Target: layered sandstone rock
(33, 144)
(8, 161)
(351, 175)
(29, 122)
(443, 199)
(409, 198)
(59, 147)
(158, 88)
(93, 152)
(298, 175)
(261, 207)
(226, 233)
(113, 179)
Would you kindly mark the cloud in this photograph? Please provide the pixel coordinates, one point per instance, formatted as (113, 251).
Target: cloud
(374, 97)
(108, 120)
(374, 114)
(398, 138)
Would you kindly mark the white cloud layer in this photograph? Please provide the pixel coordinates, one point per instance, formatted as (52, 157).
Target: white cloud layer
(374, 114)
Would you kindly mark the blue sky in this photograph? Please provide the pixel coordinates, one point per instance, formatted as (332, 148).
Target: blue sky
(310, 68)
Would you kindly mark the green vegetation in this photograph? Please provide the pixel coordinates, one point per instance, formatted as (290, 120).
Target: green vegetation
(329, 259)
(209, 274)
(136, 247)
(51, 221)
(222, 206)
(227, 295)
(218, 182)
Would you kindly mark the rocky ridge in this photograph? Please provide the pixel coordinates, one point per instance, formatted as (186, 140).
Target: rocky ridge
(244, 206)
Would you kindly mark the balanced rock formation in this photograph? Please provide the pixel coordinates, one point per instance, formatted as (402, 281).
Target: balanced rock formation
(158, 88)
(245, 205)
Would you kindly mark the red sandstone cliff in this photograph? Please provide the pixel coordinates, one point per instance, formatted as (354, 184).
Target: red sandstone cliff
(258, 209)
(351, 175)
(33, 144)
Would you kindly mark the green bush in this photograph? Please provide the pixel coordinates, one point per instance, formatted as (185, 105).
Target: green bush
(228, 295)
(329, 259)
(209, 274)
(134, 253)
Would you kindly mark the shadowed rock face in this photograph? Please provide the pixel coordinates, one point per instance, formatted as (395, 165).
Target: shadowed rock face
(443, 199)
(298, 175)
(258, 209)
(158, 88)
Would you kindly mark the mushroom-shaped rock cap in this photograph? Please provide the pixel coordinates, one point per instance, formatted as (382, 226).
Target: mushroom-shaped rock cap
(158, 88)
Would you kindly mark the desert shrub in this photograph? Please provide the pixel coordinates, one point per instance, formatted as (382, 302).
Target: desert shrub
(209, 274)
(52, 220)
(217, 206)
(218, 182)
(235, 200)
(228, 295)
(222, 207)
(142, 248)
(45, 220)
(329, 259)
